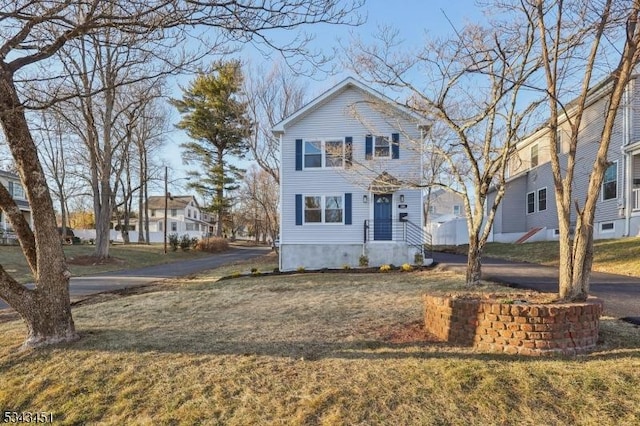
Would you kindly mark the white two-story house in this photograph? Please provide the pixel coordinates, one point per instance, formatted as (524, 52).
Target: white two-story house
(528, 210)
(183, 216)
(13, 185)
(350, 181)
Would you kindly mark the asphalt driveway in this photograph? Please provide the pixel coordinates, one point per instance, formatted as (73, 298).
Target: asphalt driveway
(117, 280)
(621, 294)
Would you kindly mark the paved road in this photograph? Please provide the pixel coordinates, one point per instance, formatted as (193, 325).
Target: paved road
(116, 280)
(621, 294)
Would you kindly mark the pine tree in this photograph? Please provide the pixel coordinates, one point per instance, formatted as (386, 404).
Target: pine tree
(215, 118)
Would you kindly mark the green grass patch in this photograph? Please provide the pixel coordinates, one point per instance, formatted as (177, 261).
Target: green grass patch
(305, 349)
(619, 256)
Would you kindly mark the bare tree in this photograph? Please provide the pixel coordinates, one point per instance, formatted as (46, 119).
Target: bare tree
(578, 40)
(272, 95)
(32, 33)
(471, 91)
(259, 199)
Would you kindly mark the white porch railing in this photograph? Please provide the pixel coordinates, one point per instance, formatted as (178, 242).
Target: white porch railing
(636, 199)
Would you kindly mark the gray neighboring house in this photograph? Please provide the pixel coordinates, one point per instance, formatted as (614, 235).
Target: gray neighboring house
(350, 165)
(12, 182)
(528, 210)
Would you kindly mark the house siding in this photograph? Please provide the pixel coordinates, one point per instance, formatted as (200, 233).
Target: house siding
(526, 179)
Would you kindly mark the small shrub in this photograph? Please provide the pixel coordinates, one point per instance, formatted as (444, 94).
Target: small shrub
(363, 261)
(174, 241)
(418, 259)
(406, 267)
(346, 267)
(385, 268)
(212, 245)
(276, 270)
(300, 269)
(185, 242)
(256, 273)
(236, 274)
(254, 270)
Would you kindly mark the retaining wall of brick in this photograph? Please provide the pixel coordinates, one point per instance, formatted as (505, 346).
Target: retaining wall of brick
(514, 328)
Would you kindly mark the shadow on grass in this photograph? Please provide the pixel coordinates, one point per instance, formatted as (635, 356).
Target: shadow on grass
(208, 343)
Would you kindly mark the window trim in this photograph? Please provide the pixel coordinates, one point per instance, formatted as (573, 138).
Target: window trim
(605, 182)
(527, 202)
(323, 208)
(546, 199)
(323, 152)
(389, 146)
(537, 157)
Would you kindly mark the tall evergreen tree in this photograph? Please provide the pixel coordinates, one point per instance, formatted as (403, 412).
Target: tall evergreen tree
(215, 118)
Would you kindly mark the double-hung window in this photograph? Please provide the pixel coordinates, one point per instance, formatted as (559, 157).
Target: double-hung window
(610, 182)
(531, 202)
(323, 209)
(534, 155)
(537, 201)
(312, 154)
(328, 153)
(542, 199)
(382, 147)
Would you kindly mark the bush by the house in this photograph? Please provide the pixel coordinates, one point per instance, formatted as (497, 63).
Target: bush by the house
(212, 244)
(185, 242)
(174, 241)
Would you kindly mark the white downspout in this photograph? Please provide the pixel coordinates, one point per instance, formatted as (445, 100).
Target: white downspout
(280, 206)
(627, 129)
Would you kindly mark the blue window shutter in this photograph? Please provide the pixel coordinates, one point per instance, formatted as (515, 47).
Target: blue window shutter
(348, 151)
(395, 145)
(298, 154)
(368, 147)
(298, 209)
(347, 209)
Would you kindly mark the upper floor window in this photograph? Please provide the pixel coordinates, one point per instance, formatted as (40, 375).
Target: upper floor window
(559, 139)
(382, 147)
(610, 182)
(534, 155)
(174, 212)
(16, 190)
(324, 153)
(153, 212)
(457, 209)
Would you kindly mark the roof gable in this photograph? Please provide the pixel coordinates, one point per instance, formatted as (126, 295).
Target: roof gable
(349, 82)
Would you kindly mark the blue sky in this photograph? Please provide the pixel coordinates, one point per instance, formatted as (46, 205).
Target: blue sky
(414, 19)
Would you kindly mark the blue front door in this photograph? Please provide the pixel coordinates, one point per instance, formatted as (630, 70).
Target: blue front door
(382, 210)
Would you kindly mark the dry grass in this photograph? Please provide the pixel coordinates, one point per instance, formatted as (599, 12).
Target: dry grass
(125, 257)
(305, 349)
(618, 256)
(213, 244)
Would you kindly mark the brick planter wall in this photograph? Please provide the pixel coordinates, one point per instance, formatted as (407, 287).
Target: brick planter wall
(514, 328)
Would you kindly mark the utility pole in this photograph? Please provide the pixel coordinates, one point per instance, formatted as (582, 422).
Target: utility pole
(166, 202)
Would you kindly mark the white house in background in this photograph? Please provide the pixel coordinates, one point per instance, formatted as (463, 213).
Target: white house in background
(351, 161)
(13, 185)
(445, 218)
(528, 210)
(183, 215)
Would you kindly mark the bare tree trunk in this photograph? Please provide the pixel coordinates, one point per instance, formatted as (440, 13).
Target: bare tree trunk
(46, 309)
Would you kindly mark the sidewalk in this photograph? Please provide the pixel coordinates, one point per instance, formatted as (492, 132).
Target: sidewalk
(621, 294)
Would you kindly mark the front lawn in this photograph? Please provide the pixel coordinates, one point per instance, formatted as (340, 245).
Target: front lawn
(123, 257)
(308, 348)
